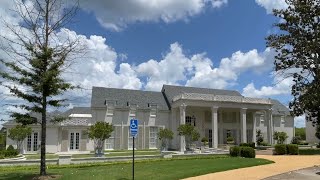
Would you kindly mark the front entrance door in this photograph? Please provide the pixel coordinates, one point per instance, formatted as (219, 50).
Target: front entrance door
(32, 142)
(74, 140)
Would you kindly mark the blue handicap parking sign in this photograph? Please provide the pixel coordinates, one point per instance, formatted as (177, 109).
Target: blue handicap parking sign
(133, 127)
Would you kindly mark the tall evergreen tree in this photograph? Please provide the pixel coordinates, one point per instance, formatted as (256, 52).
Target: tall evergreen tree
(298, 48)
(38, 60)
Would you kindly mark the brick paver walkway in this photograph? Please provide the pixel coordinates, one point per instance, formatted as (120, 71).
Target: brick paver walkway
(282, 164)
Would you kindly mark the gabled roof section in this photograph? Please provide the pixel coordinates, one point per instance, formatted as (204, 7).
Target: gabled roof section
(170, 91)
(278, 108)
(125, 97)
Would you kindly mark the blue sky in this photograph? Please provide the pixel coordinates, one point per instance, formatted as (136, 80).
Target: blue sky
(139, 44)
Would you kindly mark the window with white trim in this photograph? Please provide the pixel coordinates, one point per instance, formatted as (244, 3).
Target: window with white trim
(153, 137)
(191, 120)
(109, 143)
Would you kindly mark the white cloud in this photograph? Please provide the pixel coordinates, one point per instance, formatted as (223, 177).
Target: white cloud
(282, 86)
(115, 14)
(171, 69)
(300, 121)
(99, 65)
(269, 5)
(205, 75)
(198, 70)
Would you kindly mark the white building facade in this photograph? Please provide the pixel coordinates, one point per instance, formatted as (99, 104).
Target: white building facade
(215, 114)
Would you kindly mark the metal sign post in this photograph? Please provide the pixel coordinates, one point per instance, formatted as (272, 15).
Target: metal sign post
(133, 132)
(133, 158)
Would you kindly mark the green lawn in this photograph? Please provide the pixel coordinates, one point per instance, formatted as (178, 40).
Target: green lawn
(163, 169)
(110, 154)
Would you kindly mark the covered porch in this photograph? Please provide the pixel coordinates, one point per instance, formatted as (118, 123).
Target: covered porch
(217, 119)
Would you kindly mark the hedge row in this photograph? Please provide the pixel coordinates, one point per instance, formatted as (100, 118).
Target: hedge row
(309, 151)
(242, 151)
(281, 149)
(251, 144)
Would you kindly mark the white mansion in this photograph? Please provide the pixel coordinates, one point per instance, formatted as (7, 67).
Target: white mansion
(214, 113)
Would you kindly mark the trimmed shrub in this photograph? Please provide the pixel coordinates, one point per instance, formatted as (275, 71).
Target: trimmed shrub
(292, 149)
(10, 153)
(296, 140)
(303, 143)
(251, 144)
(235, 151)
(309, 151)
(247, 152)
(10, 148)
(244, 144)
(280, 149)
(264, 144)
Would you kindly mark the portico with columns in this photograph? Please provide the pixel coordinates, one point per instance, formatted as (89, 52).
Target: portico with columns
(219, 116)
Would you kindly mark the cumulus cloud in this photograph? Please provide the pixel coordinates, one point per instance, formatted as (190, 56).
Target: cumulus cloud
(300, 121)
(198, 70)
(282, 86)
(269, 5)
(227, 73)
(115, 14)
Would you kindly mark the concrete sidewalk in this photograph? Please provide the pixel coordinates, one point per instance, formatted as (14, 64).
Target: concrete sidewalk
(311, 173)
(282, 164)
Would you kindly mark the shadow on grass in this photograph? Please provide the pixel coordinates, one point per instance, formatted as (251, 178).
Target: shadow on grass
(27, 176)
(15, 176)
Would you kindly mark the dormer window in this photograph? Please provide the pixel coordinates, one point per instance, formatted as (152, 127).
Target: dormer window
(282, 120)
(110, 112)
(132, 112)
(153, 113)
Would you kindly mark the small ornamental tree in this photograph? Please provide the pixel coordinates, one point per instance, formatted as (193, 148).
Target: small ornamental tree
(205, 141)
(165, 135)
(18, 134)
(190, 133)
(99, 132)
(280, 137)
(259, 137)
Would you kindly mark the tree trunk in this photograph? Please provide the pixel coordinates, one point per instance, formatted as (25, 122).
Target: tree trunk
(43, 138)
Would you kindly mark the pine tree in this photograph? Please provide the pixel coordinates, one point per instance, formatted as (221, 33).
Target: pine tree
(35, 70)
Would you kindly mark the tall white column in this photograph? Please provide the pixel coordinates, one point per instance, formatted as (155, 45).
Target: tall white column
(269, 126)
(254, 128)
(182, 121)
(220, 123)
(214, 111)
(243, 122)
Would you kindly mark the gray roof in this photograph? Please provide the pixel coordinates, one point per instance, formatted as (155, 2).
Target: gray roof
(125, 97)
(78, 110)
(278, 108)
(170, 91)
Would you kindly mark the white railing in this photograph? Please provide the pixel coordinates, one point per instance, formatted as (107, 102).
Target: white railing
(220, 98)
